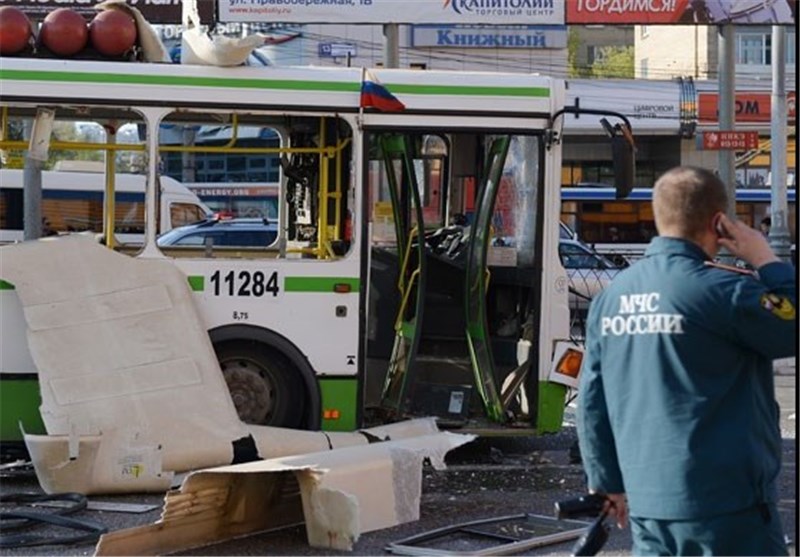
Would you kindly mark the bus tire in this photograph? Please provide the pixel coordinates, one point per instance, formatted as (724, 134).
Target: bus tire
(266, 389)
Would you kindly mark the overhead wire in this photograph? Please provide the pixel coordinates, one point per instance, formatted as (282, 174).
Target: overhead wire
(494, 59)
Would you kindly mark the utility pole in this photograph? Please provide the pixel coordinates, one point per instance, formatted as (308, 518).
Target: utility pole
(778, 232)
(188, 164)
(391, 46)
(31, 191)
(727, 112)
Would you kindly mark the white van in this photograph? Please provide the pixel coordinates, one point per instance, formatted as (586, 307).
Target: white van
(72, 201)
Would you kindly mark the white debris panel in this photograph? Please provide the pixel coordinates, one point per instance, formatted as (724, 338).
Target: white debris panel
(339, 494)
(131, 387)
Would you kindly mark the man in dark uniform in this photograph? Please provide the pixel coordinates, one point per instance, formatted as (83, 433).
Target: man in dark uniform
(677, 418)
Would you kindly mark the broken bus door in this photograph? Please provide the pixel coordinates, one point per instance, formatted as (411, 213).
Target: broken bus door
(447, 311)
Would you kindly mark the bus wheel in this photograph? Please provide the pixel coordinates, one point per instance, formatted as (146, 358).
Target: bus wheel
(264, 386)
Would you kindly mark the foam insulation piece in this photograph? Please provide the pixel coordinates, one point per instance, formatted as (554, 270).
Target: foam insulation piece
(128, 374)
(340, 494)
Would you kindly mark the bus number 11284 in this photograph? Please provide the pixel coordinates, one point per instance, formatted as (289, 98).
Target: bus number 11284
(244, 283)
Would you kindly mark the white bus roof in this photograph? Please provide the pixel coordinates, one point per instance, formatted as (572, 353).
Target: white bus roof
(90, 181)
(79, 166)
(301, 88)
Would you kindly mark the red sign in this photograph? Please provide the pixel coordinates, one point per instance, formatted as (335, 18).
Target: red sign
(683, 12)
(750, 107)
(735, 141)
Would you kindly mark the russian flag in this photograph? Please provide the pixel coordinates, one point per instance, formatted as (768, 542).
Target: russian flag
(374, 95)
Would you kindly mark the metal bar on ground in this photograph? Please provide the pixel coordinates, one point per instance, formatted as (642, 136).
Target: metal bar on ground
(566, 530)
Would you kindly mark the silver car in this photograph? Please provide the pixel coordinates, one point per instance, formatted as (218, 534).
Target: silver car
(222, 232)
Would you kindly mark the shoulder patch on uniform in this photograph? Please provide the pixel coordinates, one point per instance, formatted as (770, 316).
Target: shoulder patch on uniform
(730, 268)
(778, 306)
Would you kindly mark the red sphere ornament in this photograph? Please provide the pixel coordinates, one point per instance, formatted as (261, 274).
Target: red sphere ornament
(112, 32)
(64, 32)
(15, 30)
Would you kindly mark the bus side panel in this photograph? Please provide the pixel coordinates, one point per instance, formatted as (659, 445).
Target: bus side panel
(19, 407)
(312, 303)
(19, 387)
(554, 307)
(551, 407)
(339, 403)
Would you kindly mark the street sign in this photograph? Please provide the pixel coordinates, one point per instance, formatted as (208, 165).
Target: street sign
(483, 12)
(681, 12)
(751, 106)
(336, 50)
(727, 140)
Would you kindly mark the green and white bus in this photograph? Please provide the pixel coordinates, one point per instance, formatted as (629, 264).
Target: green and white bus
(416, 270)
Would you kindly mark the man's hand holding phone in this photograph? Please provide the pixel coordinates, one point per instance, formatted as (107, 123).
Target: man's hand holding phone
(744, 242)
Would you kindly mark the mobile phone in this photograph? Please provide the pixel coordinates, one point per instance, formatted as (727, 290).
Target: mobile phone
(720, 228)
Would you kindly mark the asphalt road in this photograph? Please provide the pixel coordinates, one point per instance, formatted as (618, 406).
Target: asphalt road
(486, 479)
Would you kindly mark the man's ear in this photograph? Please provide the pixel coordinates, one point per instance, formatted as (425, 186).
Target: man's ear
(718, 227)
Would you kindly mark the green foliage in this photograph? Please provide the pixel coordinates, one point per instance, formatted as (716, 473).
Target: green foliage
(72, 132)
(573, 45)
(615, 61)
(68, 132)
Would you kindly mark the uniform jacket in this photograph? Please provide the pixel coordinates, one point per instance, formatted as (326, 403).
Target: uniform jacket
(676, 404)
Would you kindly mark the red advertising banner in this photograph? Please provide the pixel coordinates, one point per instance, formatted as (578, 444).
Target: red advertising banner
(154, 11)
(681, 12)
(750, 106)
(733, 140)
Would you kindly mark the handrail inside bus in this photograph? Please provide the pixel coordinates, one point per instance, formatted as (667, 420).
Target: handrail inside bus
(324, 248)
(109, 201)
(3, 121)
(406, 257)
(398, 324)
(75, 146)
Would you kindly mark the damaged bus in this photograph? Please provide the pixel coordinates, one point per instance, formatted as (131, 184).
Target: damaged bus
(416, 268)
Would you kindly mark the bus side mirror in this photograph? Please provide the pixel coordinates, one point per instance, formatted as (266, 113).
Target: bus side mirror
(623, 156)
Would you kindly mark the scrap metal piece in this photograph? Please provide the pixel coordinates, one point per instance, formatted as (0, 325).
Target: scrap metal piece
(106, 506)
(518, 532)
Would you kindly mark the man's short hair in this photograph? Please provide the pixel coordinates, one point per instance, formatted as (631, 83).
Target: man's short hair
(685, 199)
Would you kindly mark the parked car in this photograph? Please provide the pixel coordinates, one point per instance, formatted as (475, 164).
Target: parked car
(222, 232)
(565, 232)
(588, 272)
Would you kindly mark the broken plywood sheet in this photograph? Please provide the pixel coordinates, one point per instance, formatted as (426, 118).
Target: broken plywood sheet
(340, 494)
(128, 375)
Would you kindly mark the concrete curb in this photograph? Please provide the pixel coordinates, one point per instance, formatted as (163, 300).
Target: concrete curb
(785, 366)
